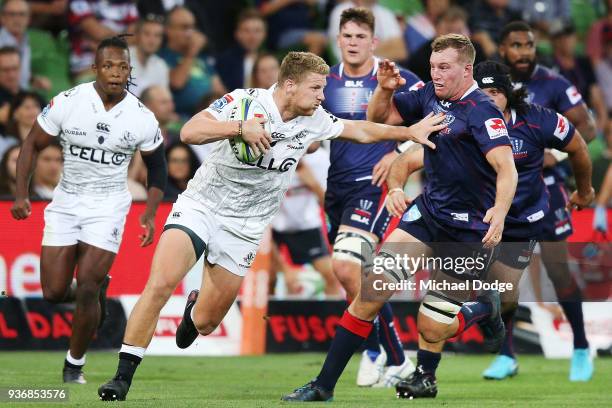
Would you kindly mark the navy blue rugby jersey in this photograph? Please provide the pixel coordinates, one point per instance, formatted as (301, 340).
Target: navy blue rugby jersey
(547, 88)
(530, 133)
(461, 183)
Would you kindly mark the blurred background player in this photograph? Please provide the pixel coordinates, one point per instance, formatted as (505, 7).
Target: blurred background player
(525, 219)
(356, 187)
(298, 229)
(553, 91)
(100, 126)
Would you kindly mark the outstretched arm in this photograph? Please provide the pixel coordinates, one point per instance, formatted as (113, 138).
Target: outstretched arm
(361, 131)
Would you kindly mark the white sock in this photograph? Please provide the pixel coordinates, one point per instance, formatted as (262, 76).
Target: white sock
(133, 350)
(75, 361)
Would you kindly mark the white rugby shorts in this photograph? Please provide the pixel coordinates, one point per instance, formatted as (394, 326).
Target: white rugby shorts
(95, 219)
(223, 243)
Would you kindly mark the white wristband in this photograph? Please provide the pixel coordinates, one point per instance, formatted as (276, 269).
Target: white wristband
(395, 190)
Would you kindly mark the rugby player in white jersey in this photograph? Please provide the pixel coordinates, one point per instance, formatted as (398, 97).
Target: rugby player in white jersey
(99, 125)
(228, 204)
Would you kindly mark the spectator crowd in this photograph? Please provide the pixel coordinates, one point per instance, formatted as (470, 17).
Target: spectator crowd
(187, 53)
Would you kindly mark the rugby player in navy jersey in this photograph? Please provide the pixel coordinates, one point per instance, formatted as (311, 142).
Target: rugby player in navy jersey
(355, 184)
(553, 91)
(532, 129)
(471, 184)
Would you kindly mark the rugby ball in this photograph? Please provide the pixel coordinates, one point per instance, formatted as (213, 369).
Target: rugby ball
(247, 108)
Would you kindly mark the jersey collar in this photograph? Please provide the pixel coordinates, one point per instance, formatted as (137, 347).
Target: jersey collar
(373, 73)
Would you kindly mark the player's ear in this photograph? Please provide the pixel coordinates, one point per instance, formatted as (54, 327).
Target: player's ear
(375, 42)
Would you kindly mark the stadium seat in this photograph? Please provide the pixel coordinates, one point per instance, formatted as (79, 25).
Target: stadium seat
(50, 58)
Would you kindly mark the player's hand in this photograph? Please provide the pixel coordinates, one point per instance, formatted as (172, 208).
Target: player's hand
(578, 201)
(397, 203)
(254, 134)
(600, 219)
(495, 218)
(381, 170)
(147, 222)
(388, 76)
(21, 209)
(420, 131)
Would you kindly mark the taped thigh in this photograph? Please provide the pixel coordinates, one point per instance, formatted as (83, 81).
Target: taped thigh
(439, 307)
(350, 244)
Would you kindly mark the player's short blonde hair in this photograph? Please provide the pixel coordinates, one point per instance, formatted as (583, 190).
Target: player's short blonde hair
(459, 42)
(296, 65)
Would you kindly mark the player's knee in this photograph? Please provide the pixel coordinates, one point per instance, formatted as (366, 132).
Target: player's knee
(348, 276)
(205, 326)
(160, 289)
(87, 292)
(431, 334)
(54, 294)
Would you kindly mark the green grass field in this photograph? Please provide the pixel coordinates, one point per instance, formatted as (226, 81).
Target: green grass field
(260, 381)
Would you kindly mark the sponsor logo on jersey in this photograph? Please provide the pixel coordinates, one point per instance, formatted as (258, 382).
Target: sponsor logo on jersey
(277, 136)
(220, 103)
(353, 84)
(464, 217)
(562, 128)
(176, 214)
(75, 132)
(103, 127)
(573, 95)
(253, 92)
(366, 204)
(487, 80)
(298, 139)
(517, 146)
(45, 111)
(496, 127)
(445, 104)
(115, 234)
(97, 155)
(129, 138)
(284, 166)
(248, 260)
(412, 214)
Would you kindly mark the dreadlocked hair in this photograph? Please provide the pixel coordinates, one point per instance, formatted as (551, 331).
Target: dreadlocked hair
(117, 41)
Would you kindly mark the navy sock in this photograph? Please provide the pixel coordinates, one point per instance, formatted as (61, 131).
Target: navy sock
(389, 338)
(372, 343)
(128, 363)
(350, 335)
(427, 361)
(508, 346)
(573, 312)
(472, 312)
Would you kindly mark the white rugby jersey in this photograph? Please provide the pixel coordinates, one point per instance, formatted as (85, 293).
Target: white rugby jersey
(98, 144)
(251, 193)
